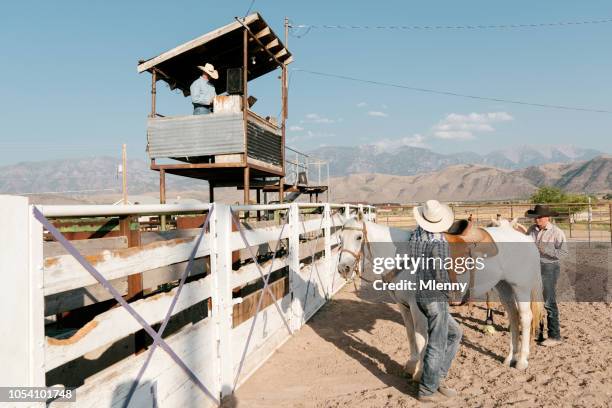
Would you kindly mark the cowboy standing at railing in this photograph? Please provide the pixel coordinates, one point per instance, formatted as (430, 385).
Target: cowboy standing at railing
(203, 91)
(444, 332)
(552, 244)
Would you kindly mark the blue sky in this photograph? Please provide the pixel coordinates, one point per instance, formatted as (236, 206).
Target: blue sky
(69, 85)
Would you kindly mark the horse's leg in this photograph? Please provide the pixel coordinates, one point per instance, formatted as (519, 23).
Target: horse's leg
(489, 321)
(412, 364)
(489, 328)
(506, 296)
(421, 334)
(526, 316)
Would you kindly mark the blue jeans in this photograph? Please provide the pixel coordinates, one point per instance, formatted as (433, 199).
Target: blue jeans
(444, 339)
(200, 110)
(550, 275)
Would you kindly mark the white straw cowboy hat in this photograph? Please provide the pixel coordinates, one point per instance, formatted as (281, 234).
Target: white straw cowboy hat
(210, 70)
(434, 216)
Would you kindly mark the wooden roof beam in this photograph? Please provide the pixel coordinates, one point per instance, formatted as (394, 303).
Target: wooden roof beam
(273, 57)
(266, 31)
(272, 44)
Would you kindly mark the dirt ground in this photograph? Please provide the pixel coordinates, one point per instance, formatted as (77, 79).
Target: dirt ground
(352, 351)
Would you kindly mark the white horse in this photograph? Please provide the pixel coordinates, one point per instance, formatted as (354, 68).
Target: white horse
(514, 274)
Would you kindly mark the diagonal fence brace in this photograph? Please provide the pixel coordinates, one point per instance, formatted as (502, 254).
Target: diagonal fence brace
(106, 285)
(254, 258)
(259, 304)
(160, 332)
(313, 266)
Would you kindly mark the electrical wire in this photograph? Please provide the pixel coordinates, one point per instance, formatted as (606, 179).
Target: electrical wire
(449, 27)
(249, 9)
(449, 93)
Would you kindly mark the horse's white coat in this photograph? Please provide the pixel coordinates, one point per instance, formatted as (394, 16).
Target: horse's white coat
(513, 284)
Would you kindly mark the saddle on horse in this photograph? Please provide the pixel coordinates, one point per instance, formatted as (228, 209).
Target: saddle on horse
(467, 240)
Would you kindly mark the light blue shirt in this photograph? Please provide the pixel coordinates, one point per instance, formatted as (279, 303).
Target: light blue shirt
(202, 92)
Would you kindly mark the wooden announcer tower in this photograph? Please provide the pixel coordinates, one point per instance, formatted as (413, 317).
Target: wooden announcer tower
(232, 146)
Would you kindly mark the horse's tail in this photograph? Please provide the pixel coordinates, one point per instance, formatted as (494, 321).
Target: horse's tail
(537, 306)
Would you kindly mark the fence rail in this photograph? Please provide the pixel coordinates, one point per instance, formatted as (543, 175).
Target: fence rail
(225, 312)
(591, 222)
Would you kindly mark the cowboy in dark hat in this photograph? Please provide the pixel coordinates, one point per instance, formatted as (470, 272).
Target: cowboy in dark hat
(551, 243)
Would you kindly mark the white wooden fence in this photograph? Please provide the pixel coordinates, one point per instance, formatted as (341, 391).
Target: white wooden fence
(220, 354)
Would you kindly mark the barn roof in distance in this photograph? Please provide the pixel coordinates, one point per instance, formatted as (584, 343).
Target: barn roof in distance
(223, 48)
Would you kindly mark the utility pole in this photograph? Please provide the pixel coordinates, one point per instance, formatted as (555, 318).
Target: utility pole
(124, 173)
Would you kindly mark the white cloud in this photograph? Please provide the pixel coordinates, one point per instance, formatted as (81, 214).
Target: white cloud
(465, 127)
(377, 114)
(295, 128)
(391, 145)
(362, 104)
(316, 118)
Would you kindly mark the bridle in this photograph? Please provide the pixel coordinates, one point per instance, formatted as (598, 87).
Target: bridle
(357, 255)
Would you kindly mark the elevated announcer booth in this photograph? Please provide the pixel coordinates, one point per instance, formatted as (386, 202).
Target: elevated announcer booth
(231, 146)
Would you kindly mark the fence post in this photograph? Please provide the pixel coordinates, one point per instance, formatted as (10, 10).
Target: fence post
(23, 326)
(221, 269)
(610, 220)
(294, 266)
(347, 211)
(329, 265)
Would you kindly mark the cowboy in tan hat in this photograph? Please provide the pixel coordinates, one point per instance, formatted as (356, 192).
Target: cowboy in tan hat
(203, 91)
(445, 334)
(551, 243)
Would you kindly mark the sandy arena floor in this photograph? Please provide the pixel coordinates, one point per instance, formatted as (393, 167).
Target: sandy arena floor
(352, 351)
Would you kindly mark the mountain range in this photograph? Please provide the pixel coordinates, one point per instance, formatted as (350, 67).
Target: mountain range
(360, 174)
(474, 182)
(408, 160)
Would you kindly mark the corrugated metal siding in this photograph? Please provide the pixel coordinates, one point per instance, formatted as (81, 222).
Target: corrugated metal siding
(263, 144)
(197, 135)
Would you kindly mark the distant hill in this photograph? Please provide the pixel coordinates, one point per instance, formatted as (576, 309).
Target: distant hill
(468, 182)
(453, 182)
(408, 160)
(96, 173)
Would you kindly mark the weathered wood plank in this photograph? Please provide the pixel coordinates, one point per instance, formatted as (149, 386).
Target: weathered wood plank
(272, 44)
(249, 272)
(246, 309)
(195, 344)
(85, 246)
(151, 279)
(268, 334)
(195, 43)
(64, 273)
(85, 296)
(148, 237)
(260, 34)
(117, 323)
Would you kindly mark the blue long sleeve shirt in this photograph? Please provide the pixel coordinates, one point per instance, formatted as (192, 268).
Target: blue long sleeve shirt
(202, 92)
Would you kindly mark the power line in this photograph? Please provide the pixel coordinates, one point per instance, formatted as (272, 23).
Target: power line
(447, 27)
(448, 93)
(249, 9)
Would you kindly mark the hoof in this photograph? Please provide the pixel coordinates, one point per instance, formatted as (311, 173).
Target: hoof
(489, 329)
(509, 361)
(521, 365)
(417, 376)
(411, 367)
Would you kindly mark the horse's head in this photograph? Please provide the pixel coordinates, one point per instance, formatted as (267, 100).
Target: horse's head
(352, 237)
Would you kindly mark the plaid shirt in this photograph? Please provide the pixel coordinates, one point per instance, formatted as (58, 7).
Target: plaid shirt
(427, 244)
